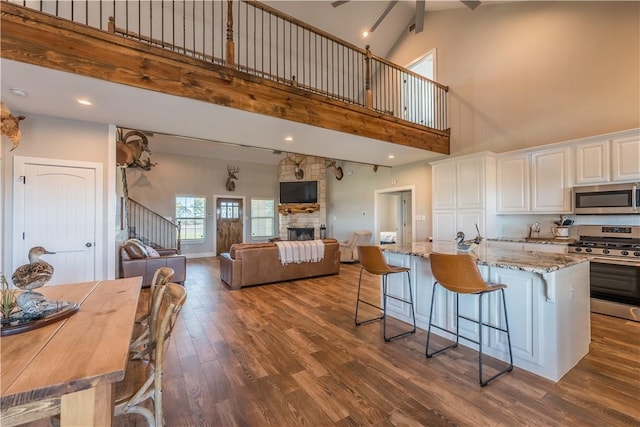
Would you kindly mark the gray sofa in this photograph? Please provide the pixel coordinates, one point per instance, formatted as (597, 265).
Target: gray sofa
(135, 260)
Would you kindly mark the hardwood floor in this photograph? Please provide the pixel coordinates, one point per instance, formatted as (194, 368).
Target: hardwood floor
(289, 354)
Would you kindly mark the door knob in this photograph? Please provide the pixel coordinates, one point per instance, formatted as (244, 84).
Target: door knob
(88, 244)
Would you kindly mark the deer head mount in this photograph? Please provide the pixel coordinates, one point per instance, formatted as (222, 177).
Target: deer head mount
(298, 172)
(232, 172)
(337, 170)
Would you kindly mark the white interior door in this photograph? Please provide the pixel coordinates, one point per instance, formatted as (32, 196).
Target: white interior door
(56, 208)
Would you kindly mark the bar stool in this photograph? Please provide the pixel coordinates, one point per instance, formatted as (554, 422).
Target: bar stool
(460, 274)
(372, 260)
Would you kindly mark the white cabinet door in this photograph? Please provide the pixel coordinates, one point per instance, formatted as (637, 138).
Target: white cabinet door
(593, 163)
(444, 185)
(466, 221)
(444, 226)
(470, 183)
(626, 159)
(551, 183)
(398, 286)
(513, 184)
(523, 299)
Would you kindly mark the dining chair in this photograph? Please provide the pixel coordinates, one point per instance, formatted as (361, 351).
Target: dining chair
(143, 377)
(161, 277)
(459, 274)
(372, 261)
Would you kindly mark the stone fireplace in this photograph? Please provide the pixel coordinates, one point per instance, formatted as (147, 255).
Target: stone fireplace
(314, 170)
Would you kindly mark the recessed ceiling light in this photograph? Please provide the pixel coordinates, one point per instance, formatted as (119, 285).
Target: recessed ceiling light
(84, 102)
(365, 34)
(391, 156)
(288, 138)
(18, 92)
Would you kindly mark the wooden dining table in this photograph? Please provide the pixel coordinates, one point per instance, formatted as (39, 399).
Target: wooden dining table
(78, 359)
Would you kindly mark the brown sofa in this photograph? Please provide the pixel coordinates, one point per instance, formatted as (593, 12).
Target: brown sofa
(135, 260)
(248, 264)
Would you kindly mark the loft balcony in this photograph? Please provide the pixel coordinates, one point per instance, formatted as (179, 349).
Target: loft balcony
(237, 54)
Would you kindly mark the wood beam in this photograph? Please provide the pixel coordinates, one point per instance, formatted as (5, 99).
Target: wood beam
(39, 39)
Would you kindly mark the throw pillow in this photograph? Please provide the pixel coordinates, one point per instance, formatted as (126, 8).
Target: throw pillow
(152, 252)
(135, 250)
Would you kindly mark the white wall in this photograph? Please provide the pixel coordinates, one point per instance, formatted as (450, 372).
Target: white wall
(351, 200)
(200, 176)
(522, 74)
(50, 137)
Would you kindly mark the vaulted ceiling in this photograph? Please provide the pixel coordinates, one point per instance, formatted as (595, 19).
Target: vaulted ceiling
(48, 89)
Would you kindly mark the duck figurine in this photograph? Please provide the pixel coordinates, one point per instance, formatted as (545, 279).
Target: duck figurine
(32, 276)
(461, 244)
(467, 245)
(35, 274)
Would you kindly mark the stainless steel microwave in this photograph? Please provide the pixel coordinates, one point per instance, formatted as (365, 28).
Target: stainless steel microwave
(608, 199)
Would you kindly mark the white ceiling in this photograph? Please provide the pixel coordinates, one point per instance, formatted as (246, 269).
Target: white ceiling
(54, 93)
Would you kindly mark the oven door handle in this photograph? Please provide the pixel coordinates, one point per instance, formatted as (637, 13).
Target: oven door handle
(618, 261)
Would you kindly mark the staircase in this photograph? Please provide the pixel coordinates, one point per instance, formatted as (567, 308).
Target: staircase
(152, 228)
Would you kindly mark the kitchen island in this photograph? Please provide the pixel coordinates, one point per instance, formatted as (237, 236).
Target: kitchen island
(547, 303)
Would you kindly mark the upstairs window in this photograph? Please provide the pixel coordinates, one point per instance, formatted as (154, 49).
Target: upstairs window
(191, 212)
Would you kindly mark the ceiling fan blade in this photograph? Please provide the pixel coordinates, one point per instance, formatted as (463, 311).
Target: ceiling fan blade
(419, 16)
(339, 3)
(383, 15)
(471, 4)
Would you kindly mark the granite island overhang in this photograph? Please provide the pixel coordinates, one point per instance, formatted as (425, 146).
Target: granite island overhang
(548, 303)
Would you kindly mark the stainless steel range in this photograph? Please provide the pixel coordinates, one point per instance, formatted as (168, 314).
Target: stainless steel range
(615, 268)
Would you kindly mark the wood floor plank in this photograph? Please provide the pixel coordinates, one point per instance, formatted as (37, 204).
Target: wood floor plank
(289, 354)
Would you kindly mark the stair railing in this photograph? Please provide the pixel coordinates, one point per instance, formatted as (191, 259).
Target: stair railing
(152, 228)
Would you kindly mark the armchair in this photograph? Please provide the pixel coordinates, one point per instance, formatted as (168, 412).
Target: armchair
(349, 247)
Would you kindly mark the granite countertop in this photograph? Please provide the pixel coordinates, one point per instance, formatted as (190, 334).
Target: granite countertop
(543, 240)
(536, 262)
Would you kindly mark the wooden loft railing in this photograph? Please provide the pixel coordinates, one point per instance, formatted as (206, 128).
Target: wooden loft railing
(216, 51)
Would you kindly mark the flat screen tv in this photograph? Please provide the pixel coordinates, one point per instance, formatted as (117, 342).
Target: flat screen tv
(299, 192)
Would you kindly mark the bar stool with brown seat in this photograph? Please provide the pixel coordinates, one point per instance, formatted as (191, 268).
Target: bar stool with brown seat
(460, 274)
(372, 260)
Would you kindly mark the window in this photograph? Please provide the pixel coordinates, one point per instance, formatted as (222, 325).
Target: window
(191, 212)
(262, 217)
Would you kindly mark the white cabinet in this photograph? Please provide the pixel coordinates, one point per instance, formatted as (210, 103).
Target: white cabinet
(608, 160)
(513, 183)
(593, 163)
(625, 153)
(548, 313)
(463, 196)
(538, 182)
(470, 183)
(444, 185)
(551, 181)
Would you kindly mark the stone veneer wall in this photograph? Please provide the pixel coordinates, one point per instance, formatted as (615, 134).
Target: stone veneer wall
(314, 170)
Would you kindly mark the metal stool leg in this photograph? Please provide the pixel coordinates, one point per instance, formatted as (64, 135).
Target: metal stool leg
(456, 333)
(358, 301)
(385, 288)
(509, 368)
